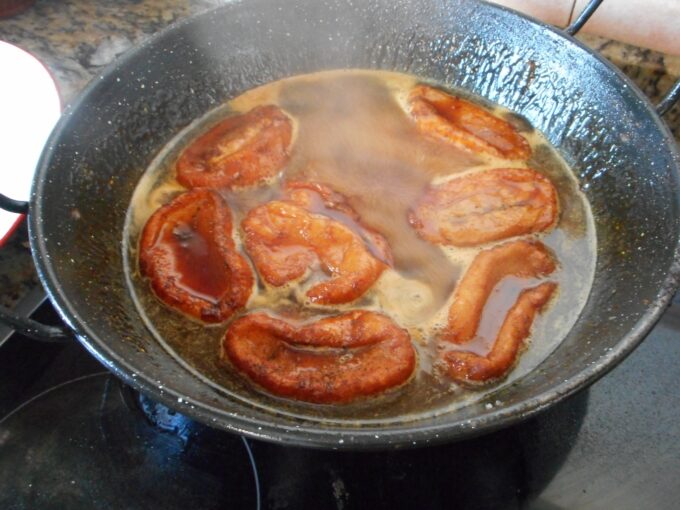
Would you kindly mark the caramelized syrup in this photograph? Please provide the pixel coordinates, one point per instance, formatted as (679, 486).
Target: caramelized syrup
(352, 134)
(199, 264)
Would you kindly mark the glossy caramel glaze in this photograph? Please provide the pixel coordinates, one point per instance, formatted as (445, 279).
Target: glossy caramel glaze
(187, 252)
(285, 238)
(241, 150)
(465, 124)
(471, 368)
(333, 360)
(523, 259)
(486, 206)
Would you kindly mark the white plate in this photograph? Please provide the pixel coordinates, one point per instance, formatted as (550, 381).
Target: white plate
(29, 108)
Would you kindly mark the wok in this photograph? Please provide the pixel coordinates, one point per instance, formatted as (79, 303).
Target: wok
(621, 152)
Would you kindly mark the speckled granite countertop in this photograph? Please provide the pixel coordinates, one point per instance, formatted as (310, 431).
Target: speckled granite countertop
(76, 38)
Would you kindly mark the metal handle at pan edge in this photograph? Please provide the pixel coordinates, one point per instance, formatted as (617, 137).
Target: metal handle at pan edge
(24, 325)
(33, 329)
(670, 98)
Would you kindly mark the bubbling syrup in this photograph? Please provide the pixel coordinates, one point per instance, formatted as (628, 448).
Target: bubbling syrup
(352, 133)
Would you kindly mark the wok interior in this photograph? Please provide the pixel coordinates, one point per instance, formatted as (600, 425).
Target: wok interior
(619, 152)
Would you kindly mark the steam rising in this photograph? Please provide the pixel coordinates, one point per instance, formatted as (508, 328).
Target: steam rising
(354, 136)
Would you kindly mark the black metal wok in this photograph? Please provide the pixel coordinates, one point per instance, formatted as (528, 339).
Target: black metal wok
(622, 153)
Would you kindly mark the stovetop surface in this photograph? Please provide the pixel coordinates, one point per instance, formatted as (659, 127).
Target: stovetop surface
(72, 436)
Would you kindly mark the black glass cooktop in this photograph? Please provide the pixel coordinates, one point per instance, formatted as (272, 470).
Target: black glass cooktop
(73, 437)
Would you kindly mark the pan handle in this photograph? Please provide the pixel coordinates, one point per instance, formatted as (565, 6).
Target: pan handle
(33, 329)
(583, 18)
(671, 97)
(25, 326)
(11, 205)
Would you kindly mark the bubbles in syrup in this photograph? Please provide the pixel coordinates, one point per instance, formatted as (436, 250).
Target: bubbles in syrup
(351, 133)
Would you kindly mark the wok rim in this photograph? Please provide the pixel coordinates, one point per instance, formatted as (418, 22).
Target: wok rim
(410, 434)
